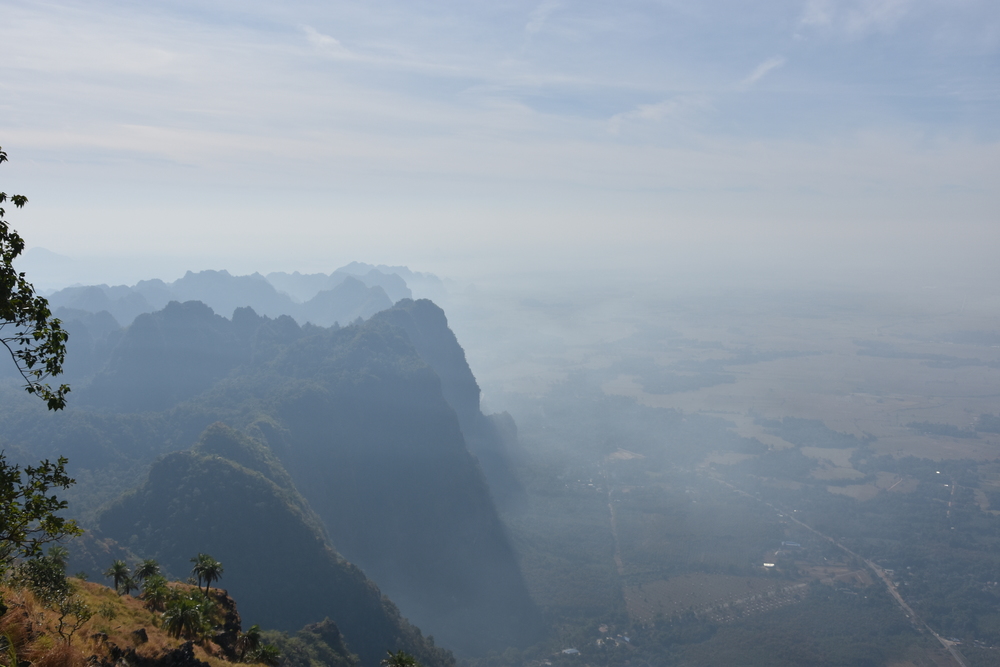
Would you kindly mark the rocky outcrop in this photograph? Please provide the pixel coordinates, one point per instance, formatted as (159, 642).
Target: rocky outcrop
(115, 656)
(489, 438)
(228, 633)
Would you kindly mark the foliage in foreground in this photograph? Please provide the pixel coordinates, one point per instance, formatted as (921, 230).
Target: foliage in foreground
(44, 611)
(35, 341)
(28, 509)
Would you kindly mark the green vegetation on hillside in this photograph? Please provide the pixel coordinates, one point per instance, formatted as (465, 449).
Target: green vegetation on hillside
(29, 511)
(46, 613)
(349, 427)
(35, 341)
(186, 505)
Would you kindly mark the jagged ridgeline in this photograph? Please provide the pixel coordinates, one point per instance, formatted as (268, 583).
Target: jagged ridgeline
(356, 290)
(349, 438)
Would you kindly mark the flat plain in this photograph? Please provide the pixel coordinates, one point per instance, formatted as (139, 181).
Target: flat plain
(742, 416)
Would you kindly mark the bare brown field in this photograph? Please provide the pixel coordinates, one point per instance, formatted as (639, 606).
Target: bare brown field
(982, 500)
(860, 492)
(827, 573)
(624, 455)
(839, 458)
(695, 592)
(782, 484)
(855, 413)
(940, 658)
(725, 458)
(895, 483)
(986, 448)
(835, 473)
(856, 578)
(841, 382)
(844, 404)
(928, 657)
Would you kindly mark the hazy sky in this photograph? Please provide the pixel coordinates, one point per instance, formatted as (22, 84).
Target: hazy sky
(465, 136)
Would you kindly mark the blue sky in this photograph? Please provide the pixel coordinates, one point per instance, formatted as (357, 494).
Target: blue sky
(465, 136)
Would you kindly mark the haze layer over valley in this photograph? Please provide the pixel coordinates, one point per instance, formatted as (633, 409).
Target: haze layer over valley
(737, 443)
(678, 345)
(677, 469)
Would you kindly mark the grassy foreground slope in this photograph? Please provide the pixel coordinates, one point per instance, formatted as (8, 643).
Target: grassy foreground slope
(115, 629)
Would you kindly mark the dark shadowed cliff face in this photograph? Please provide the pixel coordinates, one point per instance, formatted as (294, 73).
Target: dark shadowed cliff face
(487, 437)
(426, 326)
(278, 564)
(362, 425)
(371, 442)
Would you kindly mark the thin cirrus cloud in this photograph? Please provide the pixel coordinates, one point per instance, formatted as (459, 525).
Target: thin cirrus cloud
(327, 45)
(427, 108)
(678, 111)
(762, 70)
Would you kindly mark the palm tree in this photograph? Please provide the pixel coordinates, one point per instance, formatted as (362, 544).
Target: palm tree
(59, 555)
(206, 568)
(248, 642)
(183, 617)
(128, 585)
(268, 654)
(146, 569)
(118, 572)
(155, 592)
(211, 616)
(400, 659)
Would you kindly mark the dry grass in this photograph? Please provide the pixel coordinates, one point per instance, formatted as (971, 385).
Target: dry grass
(60, 654)
(32, 629)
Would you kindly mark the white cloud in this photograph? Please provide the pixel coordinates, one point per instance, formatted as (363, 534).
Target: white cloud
(674, 109)
(134, 107)
(540, 15)
(326, 44)
(762, 70)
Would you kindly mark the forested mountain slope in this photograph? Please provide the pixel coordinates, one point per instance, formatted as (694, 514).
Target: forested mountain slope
(229, 497)
(365, 432)
(355, 415)
(487, 437)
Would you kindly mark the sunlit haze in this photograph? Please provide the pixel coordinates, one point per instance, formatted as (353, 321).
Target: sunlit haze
(853, 140)
(500, 334)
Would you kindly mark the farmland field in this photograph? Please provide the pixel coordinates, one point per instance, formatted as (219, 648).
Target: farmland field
(699, 593)
(681, 451)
